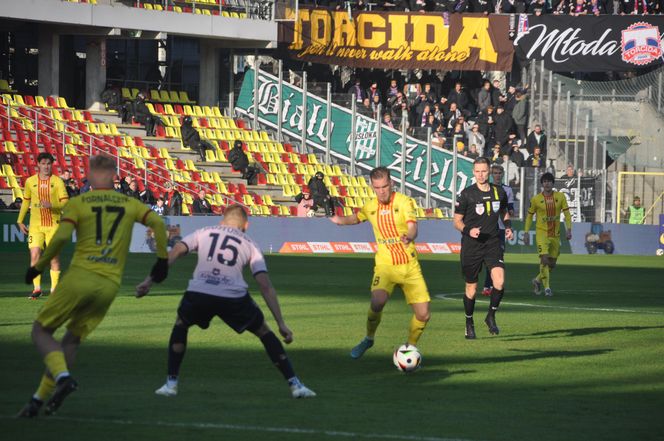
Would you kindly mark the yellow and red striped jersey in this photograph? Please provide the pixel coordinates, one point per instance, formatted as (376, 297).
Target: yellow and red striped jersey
(548, 209)
(36, 192)
(389, 222)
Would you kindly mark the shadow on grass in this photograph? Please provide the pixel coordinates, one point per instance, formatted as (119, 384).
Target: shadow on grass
(577, 332)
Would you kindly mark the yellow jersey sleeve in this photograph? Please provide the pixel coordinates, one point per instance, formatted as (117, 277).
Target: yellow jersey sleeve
(410, 210)
(362, 214)
(27, 197)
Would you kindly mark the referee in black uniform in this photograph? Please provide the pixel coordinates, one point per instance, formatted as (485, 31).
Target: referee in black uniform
(476, 216)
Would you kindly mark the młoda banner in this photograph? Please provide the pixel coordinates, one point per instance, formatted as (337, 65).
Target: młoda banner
(590, 43)
(399, 40)
(340, 129)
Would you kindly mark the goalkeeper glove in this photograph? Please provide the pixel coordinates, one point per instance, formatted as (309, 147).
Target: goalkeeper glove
(159, 270)
(31, 274)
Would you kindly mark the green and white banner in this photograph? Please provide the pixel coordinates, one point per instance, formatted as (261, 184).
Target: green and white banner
(340, 136)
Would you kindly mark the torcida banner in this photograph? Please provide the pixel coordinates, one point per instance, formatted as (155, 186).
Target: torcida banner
(399, 40)
(589, 43)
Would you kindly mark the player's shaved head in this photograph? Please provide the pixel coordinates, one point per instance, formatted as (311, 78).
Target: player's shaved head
(235, 216)
(102, 170)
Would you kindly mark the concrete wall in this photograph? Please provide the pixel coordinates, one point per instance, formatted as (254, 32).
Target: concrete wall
(256, 33)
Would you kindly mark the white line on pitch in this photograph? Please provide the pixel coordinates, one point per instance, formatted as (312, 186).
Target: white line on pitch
(293, 430)
(533, 305)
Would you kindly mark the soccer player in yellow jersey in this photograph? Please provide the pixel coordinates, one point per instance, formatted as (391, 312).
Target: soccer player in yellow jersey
(44, 195)
(103, 220)
(393, 218)
(547, 205)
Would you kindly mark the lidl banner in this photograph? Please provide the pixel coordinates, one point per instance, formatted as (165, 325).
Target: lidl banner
(399, 40)
(591, 43)
(340, 126)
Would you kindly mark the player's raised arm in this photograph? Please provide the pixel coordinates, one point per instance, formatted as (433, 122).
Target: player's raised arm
(345, 220)
(270, 296)
(160, 269)
(60, 239)
(178, 250)
(25, 206)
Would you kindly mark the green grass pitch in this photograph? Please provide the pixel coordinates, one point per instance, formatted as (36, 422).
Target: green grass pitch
(586, 364)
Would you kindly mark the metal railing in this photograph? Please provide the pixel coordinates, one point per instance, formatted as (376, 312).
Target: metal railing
(66, 129)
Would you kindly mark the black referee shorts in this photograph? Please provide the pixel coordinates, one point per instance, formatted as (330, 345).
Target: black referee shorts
(475, 255)
(239, 313)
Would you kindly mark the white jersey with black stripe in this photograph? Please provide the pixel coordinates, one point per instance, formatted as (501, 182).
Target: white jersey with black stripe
(223, 252)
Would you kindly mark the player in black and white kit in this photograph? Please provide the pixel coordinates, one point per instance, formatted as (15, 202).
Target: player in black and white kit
(476, 215)
(218, 289)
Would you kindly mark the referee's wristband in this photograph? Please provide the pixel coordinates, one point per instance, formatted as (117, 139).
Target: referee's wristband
(466, 230)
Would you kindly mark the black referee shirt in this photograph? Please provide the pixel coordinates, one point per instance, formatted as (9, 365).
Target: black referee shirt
(481, 209)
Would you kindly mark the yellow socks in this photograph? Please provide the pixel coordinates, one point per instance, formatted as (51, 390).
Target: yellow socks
(46, 388)
(544, 271)
(56, 364)
(55, 277)
(36, 282)
(416, 329)
(373, 320)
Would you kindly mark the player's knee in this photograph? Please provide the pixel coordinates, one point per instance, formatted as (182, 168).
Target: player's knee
(552, 265)
(423, 316)
(260, 331)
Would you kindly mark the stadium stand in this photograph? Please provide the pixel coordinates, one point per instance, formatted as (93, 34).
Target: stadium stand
(30, 124)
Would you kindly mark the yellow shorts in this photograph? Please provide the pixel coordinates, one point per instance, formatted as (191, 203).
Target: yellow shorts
(548, 245)
(40, 236)
(408, 276)
(82, 298)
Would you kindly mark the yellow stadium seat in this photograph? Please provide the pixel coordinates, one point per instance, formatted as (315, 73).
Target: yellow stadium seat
(177, 9)
(189, 165)
(10, 147)
(267, 199)
(184, 97)
(313, 160)
(210, 156)
(164, 97)
(62, 102)
(147, 6)
(154, 96)
(156, 7)
(40, 101)
(248, 200)
(168, 109)
(185, 210)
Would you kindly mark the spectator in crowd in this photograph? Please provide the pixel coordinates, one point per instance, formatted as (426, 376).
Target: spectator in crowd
(16, 205)
(511, 170)
(484, 96)
(516, 156)
(201, 206)
(487, 124)
(494, 156)
(143, 115)
(124, 183)
(132, 190)
(117, 184)
(459, 96)
(504, 125)
(365, 108)
(159, 207)
(86, 186)
(476, 138)
(472, 152)
(569, 172)
(305, 204)
(497, 97)
(375, 106)
(393, 90)
(520, 115)
(373, 92)
(537, 7)
(240, 162)
(536, 138)
(146, 195)
(357, 93)
(536, 160)
(191, 138)
(597, 7)
(387, 120)
(320, 194)
(578, 7)
(70, 184)
(452, 114)
(172, 200)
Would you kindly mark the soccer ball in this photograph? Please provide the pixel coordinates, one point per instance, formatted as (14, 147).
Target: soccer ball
(311, 213)
(407, 358)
